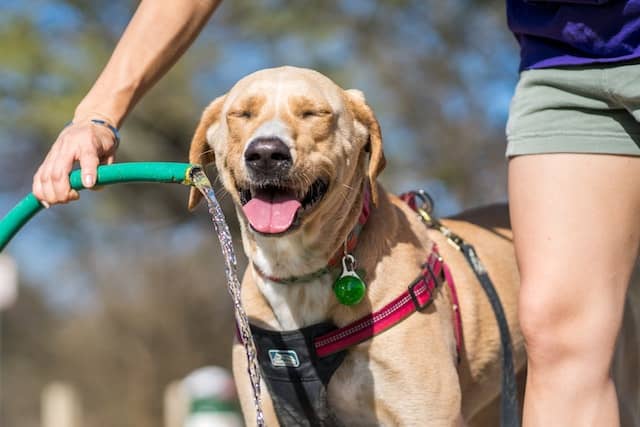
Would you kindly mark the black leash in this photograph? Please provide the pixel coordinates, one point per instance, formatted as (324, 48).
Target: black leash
(509, 408)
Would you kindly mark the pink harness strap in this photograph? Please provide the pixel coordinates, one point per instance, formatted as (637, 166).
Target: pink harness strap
(417, 297)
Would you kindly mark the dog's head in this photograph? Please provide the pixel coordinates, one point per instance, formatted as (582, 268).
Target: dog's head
(289, 146)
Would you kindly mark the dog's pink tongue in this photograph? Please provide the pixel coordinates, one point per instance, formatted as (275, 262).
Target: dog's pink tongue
(271, 213)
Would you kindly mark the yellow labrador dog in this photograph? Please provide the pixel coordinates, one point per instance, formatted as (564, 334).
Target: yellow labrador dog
(300, 157)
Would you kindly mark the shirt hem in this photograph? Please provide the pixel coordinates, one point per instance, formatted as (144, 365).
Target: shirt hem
(543, 143)
(562, 61)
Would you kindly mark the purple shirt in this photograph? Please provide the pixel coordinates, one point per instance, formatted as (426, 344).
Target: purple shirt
(555, 33)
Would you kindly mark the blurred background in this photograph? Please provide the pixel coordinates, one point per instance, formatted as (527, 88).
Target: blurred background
(123, 292)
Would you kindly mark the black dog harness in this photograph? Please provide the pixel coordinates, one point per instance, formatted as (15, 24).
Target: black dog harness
(296, 377)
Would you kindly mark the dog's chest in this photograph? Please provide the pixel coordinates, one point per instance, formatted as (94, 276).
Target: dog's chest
(285, 256)
(294, 305)
(298, 305)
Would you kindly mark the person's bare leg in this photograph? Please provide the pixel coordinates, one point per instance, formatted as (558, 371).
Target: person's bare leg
(576, 222)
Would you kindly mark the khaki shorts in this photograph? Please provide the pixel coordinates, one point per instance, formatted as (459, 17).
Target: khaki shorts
(588, 109)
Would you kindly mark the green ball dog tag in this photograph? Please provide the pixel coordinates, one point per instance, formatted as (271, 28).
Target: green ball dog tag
(349, 288)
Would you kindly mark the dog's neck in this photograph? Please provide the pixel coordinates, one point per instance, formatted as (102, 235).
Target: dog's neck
(334, 262)
(298, 255)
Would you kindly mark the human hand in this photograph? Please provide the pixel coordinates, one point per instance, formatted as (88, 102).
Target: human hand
(89, 143)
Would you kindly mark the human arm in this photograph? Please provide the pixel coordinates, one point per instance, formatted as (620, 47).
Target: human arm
(158, 34)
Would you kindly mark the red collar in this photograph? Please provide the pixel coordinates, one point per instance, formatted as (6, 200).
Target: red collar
(352, 239)
(417, 297)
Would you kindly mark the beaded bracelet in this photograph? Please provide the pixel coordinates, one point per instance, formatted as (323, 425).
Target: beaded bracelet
(113, 129)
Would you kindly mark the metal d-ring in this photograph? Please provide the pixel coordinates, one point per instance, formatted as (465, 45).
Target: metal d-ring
(427, 201)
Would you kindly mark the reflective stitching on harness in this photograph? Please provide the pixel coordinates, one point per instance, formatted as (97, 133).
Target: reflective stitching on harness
(369, 322)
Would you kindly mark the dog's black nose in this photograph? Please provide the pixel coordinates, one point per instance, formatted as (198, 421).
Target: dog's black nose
(268, 155)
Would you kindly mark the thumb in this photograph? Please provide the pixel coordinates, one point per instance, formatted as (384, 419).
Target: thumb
(89, 168)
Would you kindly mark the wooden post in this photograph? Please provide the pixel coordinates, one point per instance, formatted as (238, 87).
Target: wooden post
(8, 281)
(60, 406)
(175, 405)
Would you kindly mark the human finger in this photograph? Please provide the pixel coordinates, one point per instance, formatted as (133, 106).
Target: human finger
(73, 195)
(89, 162)
(62, 164)
(46, 175)
(36, 188)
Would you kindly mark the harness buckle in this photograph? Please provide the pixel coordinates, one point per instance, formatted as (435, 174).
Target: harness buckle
(414, 298)
(412, 290)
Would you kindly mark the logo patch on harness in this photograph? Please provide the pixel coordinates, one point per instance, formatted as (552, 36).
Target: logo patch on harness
(284, 358)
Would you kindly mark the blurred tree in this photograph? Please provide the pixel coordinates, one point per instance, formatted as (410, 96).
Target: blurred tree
(125, 290)
(27, 362)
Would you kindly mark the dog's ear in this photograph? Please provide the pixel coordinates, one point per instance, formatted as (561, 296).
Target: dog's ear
(200, 153)
(364, 114)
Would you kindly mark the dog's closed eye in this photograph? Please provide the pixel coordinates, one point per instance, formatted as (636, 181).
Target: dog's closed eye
(241, 114)
(308, 114)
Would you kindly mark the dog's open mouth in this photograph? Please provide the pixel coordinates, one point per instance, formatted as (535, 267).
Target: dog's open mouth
(273, 209)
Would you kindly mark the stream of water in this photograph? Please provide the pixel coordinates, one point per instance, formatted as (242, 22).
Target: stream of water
(201, 182)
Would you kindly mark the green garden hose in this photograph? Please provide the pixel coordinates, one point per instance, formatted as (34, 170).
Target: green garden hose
(163, 172)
